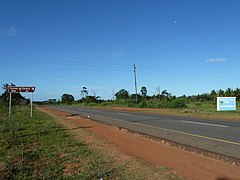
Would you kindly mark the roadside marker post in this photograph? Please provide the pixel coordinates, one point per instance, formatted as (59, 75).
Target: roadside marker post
(19, 89)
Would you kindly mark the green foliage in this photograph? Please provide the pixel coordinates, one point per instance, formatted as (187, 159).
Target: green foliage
(178, 103)
(122, 94)
(67, 98)
(90, 99)
(39, 148)
(143, 91)
(84, 92)
(16, 99)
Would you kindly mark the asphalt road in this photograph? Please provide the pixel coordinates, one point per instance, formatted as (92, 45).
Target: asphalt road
(219, 136)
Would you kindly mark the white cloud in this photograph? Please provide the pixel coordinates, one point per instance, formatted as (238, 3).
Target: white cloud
(216, 60)
(11, 31)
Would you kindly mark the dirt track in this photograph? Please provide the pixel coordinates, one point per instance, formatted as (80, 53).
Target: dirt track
(188, 164)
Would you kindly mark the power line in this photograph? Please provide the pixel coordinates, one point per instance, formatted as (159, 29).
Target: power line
(70, 61)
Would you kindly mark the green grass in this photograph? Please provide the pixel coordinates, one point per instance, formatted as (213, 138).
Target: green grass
(39, 148)
(197, 109)
(206, 109)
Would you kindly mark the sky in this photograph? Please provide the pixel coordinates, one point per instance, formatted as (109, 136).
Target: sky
(184, 46)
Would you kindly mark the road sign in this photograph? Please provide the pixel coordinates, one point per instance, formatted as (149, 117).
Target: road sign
(226, 103)
(19, 89)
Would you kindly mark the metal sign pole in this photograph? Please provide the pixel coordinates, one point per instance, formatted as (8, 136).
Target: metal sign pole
(10, 105)
(31, 106)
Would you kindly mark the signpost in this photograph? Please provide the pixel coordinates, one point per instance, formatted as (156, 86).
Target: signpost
(19, 89)
(226, 103)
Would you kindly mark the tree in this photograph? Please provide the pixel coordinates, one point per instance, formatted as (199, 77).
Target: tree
(220, 93)
(165, 95)
(84, 92)
(237, 93)
(17, 98)
(67, 98)
(143, 91)
(122, 94)
(213, 94)
(229, 92)
(91, 99)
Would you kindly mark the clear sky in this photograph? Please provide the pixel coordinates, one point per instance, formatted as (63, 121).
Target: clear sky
(59, 46)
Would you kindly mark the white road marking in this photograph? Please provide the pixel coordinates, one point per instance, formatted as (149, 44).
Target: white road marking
(125, 114)
(206, 124)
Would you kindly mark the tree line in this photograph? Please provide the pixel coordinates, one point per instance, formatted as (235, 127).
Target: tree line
(161, 99)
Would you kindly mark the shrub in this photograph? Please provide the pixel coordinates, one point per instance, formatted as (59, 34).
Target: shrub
(177, 103)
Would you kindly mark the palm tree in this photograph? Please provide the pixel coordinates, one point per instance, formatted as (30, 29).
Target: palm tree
(220, 93)
(165, 95)
(237, 93)
(213, 94)
(229, 92)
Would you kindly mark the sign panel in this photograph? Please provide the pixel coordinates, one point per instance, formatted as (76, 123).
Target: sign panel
(19, 89)
(226, 103)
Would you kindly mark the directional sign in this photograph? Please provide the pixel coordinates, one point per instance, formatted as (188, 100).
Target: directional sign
(19, 89)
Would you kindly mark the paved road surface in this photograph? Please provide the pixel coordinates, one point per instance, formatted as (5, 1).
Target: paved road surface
(218, 136)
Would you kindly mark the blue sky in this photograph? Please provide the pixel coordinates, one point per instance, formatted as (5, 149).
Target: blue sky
(59, 46)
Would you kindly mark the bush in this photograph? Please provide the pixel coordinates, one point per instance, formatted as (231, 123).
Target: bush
(177, 103)
(143, 104)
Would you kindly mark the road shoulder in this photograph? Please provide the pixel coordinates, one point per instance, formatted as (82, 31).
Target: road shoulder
(129, 145)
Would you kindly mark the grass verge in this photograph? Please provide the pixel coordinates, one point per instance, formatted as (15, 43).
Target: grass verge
(40, 148)
(206, 109)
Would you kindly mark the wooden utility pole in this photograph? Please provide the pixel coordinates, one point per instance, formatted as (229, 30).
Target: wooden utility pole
(135, 78)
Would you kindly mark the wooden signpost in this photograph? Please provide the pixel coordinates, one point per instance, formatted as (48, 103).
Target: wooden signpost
(19, 89)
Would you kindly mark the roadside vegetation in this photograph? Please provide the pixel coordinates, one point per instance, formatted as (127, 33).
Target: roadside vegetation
(40, 148)
(201, 105)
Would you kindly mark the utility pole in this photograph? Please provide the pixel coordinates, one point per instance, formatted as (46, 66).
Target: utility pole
(135, 78)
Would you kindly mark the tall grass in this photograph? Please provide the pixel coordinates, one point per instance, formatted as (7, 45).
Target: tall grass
(39, 148)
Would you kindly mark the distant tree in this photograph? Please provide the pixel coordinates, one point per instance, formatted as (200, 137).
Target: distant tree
(165, 95)
(205, 97)
(67, 98)
(17, 98)
(237, 93)
(220, 93)
(213, 94)
(133, 96)
(51, 101)
(84, 92)
(122, 94)
(143, 91)
(229, 92)
(91, 99)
